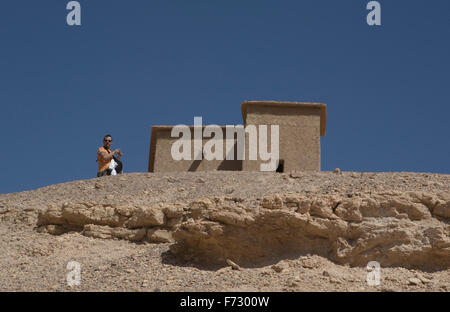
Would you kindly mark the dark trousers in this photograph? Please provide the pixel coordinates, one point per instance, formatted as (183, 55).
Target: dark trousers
(103, 173)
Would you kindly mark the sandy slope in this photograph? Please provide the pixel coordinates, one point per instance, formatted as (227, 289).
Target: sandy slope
(34, 261)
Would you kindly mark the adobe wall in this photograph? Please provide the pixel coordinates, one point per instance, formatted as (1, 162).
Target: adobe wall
(300, 128)
(161, 160)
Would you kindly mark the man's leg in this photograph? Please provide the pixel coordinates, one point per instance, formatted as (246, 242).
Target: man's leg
(103, 173)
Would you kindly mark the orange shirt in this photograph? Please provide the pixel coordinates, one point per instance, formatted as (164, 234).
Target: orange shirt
(102, 164)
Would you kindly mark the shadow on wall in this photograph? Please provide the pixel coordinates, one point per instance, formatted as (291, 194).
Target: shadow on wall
(227, 165)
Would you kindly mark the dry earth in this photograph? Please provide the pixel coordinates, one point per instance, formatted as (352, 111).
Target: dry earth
(230, 231)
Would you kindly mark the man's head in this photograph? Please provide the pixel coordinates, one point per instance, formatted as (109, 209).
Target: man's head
(107, 141)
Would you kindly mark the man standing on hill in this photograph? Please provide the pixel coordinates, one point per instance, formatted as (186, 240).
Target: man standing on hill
(104, 157)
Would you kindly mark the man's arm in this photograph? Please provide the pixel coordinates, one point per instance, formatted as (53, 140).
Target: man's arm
(106, 156)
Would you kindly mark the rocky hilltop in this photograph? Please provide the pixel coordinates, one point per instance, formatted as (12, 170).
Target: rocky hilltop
(220, 231)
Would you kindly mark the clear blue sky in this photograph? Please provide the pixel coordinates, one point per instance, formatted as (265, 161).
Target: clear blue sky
(137, 63)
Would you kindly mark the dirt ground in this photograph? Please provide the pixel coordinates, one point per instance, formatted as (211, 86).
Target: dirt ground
(33, 261)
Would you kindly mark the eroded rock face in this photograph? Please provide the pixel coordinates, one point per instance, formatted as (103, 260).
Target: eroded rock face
(134, 223)
(394, 228)
(397, 229)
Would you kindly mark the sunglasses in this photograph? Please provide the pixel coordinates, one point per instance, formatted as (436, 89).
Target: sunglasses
(107, 140)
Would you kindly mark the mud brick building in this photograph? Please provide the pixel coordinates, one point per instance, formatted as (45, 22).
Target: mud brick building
(300, 127)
